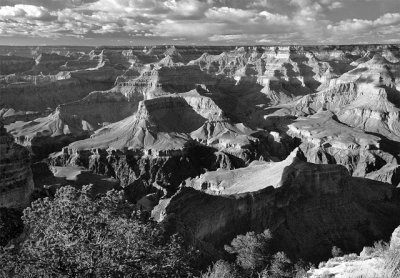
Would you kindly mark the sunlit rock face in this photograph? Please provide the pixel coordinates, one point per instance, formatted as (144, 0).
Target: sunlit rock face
(16, 183)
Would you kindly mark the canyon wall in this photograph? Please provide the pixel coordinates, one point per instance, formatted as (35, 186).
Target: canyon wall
(309, 209)
(16, 182)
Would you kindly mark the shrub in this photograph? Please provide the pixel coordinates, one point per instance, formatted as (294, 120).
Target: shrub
(379, 248)
(336, 252)
(252, 250)
(281, 267)
(74, 235)
(222, 269)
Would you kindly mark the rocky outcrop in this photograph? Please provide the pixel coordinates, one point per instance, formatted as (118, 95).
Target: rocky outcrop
(308, 207)
(16, 183)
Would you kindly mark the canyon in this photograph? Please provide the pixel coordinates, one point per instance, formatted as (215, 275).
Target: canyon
(214, 141)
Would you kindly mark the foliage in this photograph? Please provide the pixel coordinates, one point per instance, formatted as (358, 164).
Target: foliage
(336, 252)
(281, 267)
(222, 269)
(252, 250)
(74, 235)
(253, 254)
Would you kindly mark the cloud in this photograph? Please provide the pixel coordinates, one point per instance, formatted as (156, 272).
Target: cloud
(229, 14)
(186, 8)
(24, 11)
(185, 28)
(206, 21)
(357, 25)
(335, 5)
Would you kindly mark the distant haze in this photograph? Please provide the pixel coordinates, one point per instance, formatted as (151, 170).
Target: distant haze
(211, 22)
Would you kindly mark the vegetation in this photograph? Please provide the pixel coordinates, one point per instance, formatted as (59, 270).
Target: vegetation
(254, 258)
(336, 252)
(252, 250)
(74, 235)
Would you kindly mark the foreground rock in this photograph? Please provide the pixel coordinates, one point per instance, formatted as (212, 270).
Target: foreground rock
(308, 207)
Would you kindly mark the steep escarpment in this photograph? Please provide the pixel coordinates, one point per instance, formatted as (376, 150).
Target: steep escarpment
(308, 207)
(16, 183)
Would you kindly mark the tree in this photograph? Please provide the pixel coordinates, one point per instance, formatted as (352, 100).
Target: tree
(252, 250)
(222, 269)
(74, 235)
(281, 267)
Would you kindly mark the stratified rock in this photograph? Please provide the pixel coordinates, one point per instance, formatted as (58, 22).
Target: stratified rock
(16, 183)
(308, 207)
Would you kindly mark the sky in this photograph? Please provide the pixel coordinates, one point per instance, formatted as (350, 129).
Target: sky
(199, 22)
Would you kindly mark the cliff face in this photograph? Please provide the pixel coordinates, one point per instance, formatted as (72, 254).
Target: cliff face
(16, 182)
(309, 208)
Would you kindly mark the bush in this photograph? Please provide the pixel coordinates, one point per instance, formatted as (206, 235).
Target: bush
(74, 235)
(336, 252)
(222, 269)
(281, 267)
(252, 250)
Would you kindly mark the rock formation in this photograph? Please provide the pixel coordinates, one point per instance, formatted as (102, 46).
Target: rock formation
(308, 207)
(208, 131)
(16, 183)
